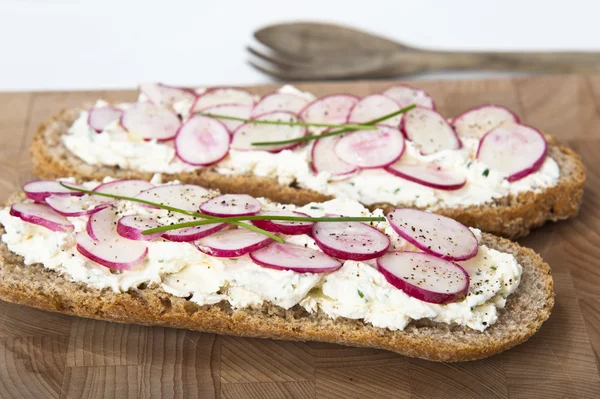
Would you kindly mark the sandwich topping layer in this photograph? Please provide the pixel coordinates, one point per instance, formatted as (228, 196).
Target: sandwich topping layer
(356, 290)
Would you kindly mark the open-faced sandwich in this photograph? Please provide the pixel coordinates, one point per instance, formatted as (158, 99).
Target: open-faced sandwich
(484, 167)
(179, 255)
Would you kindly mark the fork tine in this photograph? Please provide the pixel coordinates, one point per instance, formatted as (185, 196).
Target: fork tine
(276, 59)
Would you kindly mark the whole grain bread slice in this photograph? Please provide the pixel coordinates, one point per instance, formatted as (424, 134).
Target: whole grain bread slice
(526, 309)
(511, 216)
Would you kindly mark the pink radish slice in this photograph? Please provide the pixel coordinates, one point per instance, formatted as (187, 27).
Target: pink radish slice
(282, 226)
(41, 189)
(235, 110)
(368, 149)
(280, 102)
(182, 196)
(231, 205)
(514, 150)
(131, 227)
(165, 95)
(250, 132)
(202, 141)
(188, 234)
(350, 240)
(293, 257)
(435, 234)
(41, 215)
(68, 205)
(125, 188)
(220, 96)
(329, 109)
(115, 253)
(479, 120)
(424, 276)
(232, 243)
(324, 159)
(429, 131)
(430, 175)
(99, 118)
(375, 106)
(150, 121)
(405, 95)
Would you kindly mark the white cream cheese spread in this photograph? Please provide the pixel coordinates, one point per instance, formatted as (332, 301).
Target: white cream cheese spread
(355, 291)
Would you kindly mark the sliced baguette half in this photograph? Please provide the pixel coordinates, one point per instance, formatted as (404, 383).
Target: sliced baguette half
(511, 216)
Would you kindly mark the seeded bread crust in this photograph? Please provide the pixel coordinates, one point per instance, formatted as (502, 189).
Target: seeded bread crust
(511, 216)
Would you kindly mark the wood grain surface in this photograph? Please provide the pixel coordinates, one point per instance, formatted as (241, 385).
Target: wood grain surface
(45, 355)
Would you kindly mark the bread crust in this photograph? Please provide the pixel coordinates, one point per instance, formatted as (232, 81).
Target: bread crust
(511, 216)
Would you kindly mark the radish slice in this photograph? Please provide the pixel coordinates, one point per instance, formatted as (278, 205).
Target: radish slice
(232, 243)
(479, 120)
(202, 141)
(165, 95)
(231, 205)
(435, 234)
(329, 109)
(220, 96)
(375, 106)
(150, 122)
(188, 234)
(68, 205)
(293, 257)
(41, 215)
(182, 196)
(429, 131)
(235, 110)
(324, 159)
(99, 118)
(131, 227)
(405, 95)
(125, 188)
(368, 149)
(250, 132)
(42, 189)
(424, 276)
(514, 150)
(430, 175)
(115, 253)
(350, 240)
(282, 226)
(280, 102)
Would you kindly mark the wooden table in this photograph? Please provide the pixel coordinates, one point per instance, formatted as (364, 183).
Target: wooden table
(45, 355)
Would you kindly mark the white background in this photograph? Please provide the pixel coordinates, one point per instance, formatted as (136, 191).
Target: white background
(69, 44)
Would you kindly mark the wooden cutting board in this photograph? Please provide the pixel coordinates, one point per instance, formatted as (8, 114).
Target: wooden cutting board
(45, 355)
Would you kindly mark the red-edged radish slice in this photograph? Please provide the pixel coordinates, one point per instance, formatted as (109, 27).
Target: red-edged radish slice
(329, 109)
(283, 226)
(222, 95)
(116, 252)
(479, 120)
(280, 102)
(405, 95)
(236, 110)
(41, 189)
(188, 234)
(424, 277)
(430, 175)
(165, 95)
(202, 141)
(131, 227)
(324, 159)
(438, 235)
(350, 240)
(126, 188)
(514, 150)
(182, 196)
(231, 205)
(250, 132)
(375, 106)
(429, 131)
(232, 243)
(368, 149)
(103, 224)
(99, 118)
(41, 215)
(150, 121)
(293, 257)
(68, 205)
